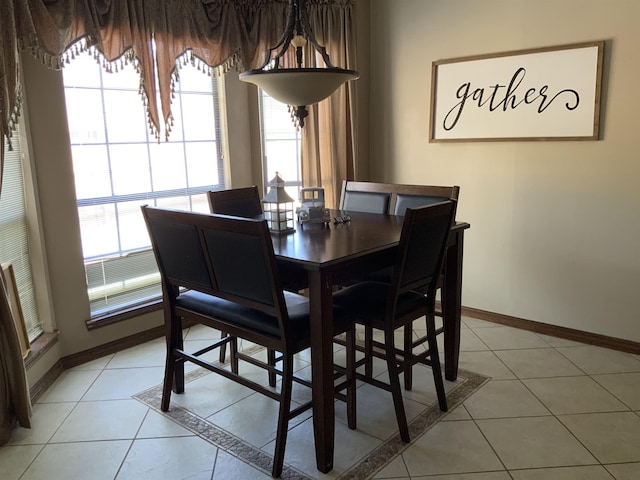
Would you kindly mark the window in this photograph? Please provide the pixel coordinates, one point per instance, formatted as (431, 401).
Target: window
(280, 144)
(119, 166)
(14, 234)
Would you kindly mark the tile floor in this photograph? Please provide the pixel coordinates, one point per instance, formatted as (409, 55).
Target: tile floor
(553, 409)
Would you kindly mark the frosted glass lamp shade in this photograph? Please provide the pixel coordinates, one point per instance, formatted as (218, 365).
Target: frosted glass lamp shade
(299, 86)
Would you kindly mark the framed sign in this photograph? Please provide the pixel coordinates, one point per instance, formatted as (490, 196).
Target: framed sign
(548, 93)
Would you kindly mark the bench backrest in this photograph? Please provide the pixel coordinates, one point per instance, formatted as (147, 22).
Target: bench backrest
(392, 198)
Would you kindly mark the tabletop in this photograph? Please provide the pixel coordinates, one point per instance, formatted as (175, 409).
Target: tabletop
(323, 244)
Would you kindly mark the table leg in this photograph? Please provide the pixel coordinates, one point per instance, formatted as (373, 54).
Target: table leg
(452, 305)
(321, 308)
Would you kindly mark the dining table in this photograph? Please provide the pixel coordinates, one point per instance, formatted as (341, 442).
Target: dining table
(333, 253)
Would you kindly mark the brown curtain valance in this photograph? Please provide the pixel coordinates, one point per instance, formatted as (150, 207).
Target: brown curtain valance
(215, 34)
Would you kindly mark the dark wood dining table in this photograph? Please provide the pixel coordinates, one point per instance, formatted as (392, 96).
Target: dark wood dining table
(334, 253)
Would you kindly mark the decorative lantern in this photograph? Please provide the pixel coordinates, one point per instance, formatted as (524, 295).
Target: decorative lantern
(278, 207)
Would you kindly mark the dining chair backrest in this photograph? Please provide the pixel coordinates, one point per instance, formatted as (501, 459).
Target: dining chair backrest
(241, 202)
(391, 198)
(245, 202)
(227, 257)
(412, 196)
(421, 250)
(364, 197)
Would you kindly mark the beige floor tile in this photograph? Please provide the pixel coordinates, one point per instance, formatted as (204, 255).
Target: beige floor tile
(97, 364)
(538, 362)
(560, 342)
(467, 476)
(169, 459)
(210, 394)
(507, 338)
(122, 383)
(84, 460)
(459, 413)
(451, 447)
(611, 437)
(396, 469)
(195, 345)
(624, 471)
(534, 442)
(156, 425)
(485, 363)
(504, 398)
(573, 395)
(254, 419)
(625, 386)
(70, 386)
(46, 419)
(469, 341)
(300, 449)
(14, 460)
(202, 332)
(105, 420)
(228, 467)
(593, 472)
(375, 412)
(477, 323)
(150, 354)
(596, 360)
(423, 389)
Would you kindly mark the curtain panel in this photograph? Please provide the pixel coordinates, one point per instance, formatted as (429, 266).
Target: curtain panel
(329, 138)
(157, 36)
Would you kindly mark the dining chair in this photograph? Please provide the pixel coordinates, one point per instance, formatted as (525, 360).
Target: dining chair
(412, 196)
(364, 197)
(391, 306)
(245, 202)
(403, 196)
(220, 271)
(241, 202)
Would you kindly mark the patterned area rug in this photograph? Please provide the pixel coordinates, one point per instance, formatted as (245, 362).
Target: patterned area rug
(372, 463)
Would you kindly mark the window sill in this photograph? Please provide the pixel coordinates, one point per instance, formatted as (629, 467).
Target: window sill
(40, 346)
(124, 314)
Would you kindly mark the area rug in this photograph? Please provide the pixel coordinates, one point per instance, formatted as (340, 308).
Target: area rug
(368, 466)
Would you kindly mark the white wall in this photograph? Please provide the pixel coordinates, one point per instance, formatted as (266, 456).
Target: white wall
(555, 231)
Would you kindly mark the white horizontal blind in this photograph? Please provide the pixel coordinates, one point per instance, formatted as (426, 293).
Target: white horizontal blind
(14, 234)
(119, 167)
(281, 144)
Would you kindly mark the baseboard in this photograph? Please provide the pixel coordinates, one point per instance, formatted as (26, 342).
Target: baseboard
(36, 391)
(115, 346)
(555, 331)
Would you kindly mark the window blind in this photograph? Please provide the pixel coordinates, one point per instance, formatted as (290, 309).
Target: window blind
(14, 234)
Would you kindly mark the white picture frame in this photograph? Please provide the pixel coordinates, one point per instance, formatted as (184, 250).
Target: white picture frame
(550, 93)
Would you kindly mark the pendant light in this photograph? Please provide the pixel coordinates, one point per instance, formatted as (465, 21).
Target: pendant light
(299, 86)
